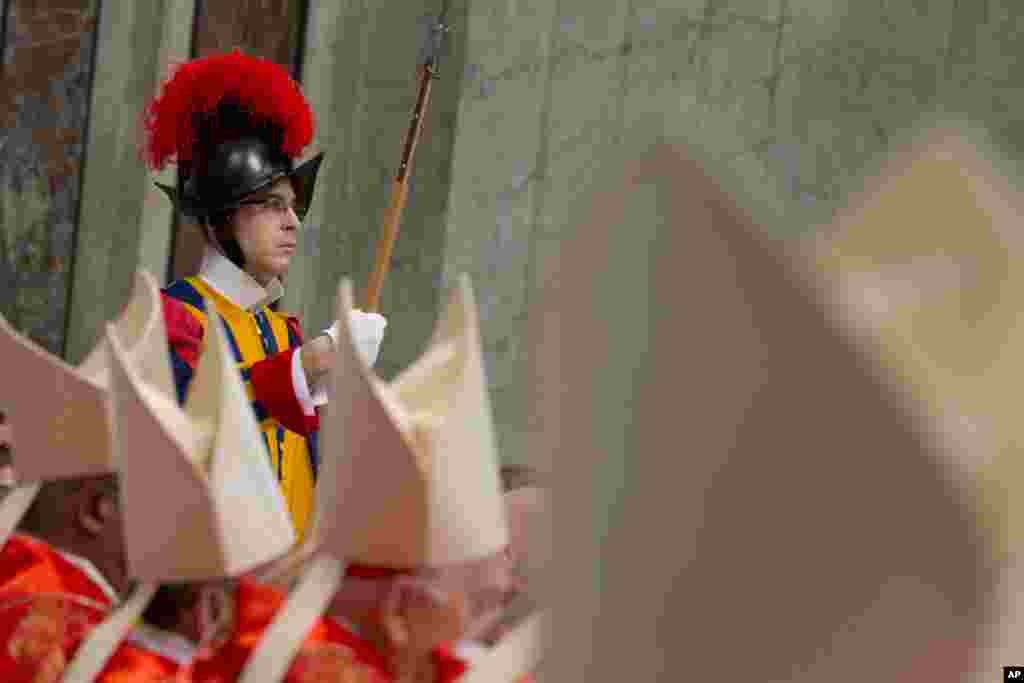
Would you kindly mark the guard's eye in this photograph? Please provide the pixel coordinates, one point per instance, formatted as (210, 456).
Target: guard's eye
(276, 204)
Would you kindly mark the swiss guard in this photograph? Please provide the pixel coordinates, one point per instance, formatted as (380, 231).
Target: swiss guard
(235, 125)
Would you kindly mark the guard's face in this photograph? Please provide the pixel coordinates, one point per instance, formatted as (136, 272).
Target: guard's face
(267, 231)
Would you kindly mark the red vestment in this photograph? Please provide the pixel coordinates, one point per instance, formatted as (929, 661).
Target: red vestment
(133, 663)
(47, 606)
(330, 652)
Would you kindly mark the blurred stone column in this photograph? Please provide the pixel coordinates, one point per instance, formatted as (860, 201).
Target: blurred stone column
(124, 221)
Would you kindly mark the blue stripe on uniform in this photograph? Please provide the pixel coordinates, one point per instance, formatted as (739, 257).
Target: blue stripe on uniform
(269, 342)
(182, 290)
(313, 444)
(182, 372)
(312, 441)
(261, 412)
(232, 342)
(266, 334)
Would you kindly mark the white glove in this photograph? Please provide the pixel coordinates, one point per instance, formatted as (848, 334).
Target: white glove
(367, 332)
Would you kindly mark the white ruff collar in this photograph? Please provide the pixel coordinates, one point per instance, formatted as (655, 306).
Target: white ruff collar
(236, 284)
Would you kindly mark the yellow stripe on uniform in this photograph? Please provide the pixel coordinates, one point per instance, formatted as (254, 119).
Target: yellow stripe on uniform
(288, 451)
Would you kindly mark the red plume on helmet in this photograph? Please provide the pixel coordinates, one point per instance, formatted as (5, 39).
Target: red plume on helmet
(178, 118)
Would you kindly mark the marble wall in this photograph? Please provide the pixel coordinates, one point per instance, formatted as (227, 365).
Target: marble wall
(789, 102)
(47, 55)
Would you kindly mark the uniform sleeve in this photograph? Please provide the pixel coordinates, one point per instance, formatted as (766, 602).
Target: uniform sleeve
(185, 338)
(273, 386)
(271, 379)
(279, 384)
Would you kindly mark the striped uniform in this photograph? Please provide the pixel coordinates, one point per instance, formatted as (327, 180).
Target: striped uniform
(263, 343)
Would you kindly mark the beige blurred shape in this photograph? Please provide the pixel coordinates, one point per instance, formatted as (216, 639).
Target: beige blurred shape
(409, 479)
(198, 498)
(410, 467)
(59, 411)
(928, 262)
(785, 514)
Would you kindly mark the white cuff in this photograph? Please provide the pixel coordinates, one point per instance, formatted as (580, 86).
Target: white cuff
(332, 332)
(308, 401)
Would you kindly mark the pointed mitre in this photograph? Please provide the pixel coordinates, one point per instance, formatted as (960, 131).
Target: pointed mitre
(199, 496)
(734, 473)
(59, 412)
(410, 471)
(927, 263)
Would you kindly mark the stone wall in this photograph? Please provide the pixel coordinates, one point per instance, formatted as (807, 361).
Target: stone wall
(789, 102)
(360, 73)
(44, 102)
